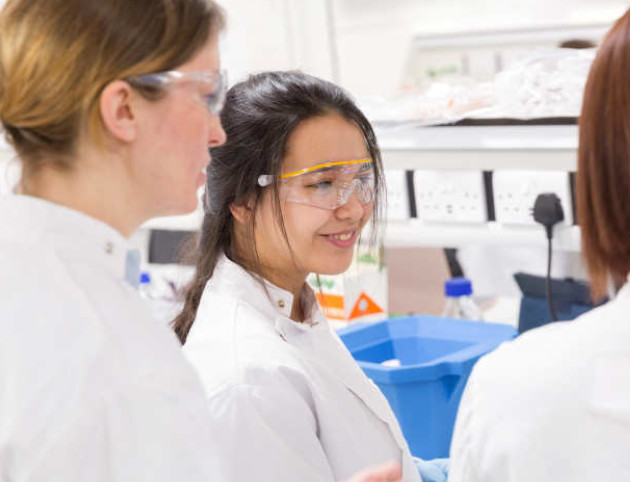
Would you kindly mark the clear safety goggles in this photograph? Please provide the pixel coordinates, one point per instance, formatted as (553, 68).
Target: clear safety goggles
(214, 80)
(328, 185)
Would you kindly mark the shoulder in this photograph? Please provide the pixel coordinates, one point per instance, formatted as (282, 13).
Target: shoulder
(264, 392)
(24, 262)
(563, 345)
(47, 325)
(231, 343)
(552, 362)
(566, 377)
(38, 295)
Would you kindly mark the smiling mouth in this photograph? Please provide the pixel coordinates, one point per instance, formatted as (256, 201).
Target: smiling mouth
(342, 237)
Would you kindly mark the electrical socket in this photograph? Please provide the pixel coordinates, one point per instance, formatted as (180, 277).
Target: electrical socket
(397, 194)
(515, 193)
(450, 196)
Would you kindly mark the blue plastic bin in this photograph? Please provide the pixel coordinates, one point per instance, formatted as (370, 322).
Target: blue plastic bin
(436, 357)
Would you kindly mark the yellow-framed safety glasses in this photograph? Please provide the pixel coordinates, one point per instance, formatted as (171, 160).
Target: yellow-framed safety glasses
(328, 185)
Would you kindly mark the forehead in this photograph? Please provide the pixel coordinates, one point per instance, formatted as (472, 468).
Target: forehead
(206, 59)
(321, 139)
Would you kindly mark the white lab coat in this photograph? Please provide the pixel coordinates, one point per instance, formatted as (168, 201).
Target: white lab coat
(91, 388)
(287, 400)
(554, 405)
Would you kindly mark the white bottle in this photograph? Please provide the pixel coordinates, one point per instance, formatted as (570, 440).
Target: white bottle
(145, 288)
(459, 303)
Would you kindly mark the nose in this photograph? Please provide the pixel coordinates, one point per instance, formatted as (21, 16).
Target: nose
(216, 134)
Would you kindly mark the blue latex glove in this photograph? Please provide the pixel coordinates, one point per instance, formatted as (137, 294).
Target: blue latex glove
(435, 470)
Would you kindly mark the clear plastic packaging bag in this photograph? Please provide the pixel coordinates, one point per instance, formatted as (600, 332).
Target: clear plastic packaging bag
(548, 84)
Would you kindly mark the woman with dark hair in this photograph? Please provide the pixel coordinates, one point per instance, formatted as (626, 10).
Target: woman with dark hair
(554, 405)
(287, 195)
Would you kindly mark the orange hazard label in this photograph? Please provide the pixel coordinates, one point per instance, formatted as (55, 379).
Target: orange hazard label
(332, 306)
(365, 306)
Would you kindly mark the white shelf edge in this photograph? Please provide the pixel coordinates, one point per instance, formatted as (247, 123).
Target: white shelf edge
(413, 232)
(480, 159)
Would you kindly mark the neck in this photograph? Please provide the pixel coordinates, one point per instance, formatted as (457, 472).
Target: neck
(297, 312)
(285, 276)
(94, 186)
(291, 283)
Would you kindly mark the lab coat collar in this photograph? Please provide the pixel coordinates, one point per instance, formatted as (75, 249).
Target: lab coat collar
(73, 235)
(272, 301)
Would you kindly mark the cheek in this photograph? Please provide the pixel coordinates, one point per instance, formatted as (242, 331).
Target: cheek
(183, 131)
(192, 133)
(269, 227)
(367, 213)
(304, 222)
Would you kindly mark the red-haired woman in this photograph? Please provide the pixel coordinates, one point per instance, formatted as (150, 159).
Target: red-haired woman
(555, 404)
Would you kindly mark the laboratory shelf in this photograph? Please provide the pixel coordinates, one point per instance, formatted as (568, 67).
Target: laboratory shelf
(414, 232)
(487, 148)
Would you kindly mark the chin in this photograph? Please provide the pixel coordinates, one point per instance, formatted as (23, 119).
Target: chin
(330, 268)
(190, 207)
(180, 208)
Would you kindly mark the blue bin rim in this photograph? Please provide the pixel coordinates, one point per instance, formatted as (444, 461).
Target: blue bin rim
(457, 363)
(490, 326)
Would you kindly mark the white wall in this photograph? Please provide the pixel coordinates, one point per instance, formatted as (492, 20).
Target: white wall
(276, 35)
(373, 36)
(364, 44)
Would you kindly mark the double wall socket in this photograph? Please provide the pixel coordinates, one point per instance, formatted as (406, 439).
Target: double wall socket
(397, 194)
(515, 193)
(450, 196)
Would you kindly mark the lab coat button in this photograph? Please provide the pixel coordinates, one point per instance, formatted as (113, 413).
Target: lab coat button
(281, 303)
(109, 247)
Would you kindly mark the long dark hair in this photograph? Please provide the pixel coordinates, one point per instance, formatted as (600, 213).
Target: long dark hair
(259, 116)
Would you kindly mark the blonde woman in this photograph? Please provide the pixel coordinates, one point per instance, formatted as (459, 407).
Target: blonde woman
(91, 389)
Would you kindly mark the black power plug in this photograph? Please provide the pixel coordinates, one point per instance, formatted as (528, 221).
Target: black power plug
(548, 212)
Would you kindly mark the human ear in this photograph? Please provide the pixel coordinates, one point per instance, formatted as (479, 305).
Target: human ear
(117, 113)
(242, 213)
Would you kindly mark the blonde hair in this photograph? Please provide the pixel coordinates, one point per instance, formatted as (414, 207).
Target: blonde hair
(56, 56)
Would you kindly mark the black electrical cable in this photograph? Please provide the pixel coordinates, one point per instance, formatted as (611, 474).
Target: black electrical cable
(548, 212)
(552, 311)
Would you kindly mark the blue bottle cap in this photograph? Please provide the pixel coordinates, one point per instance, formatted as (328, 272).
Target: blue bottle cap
(458, 287)
(145, 277)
